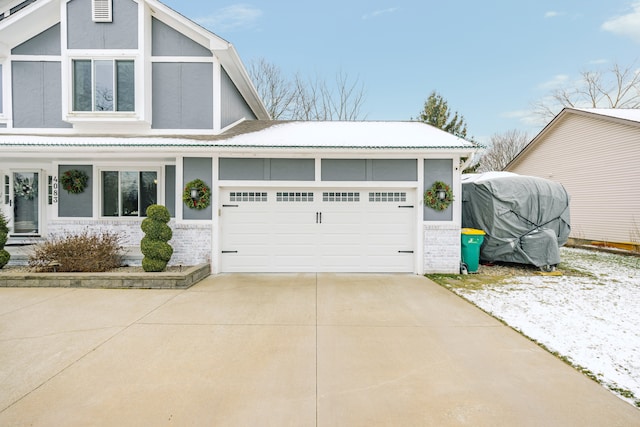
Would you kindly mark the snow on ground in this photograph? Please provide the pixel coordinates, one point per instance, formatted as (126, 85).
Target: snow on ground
(593, 320)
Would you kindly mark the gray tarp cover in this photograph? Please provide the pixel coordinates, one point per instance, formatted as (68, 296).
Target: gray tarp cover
(526, 218)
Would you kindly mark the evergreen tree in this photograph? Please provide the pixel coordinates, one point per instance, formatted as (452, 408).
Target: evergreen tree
(4, 234)
(436, 112)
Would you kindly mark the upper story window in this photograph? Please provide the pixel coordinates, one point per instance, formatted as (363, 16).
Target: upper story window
(103, 85)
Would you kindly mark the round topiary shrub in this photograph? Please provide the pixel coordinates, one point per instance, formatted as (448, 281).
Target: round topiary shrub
(4, 235)
(157, 252)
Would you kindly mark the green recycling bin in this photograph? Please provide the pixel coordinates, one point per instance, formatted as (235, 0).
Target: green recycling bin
(471, 242)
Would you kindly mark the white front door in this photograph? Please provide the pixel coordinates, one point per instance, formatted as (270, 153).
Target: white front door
(293, 230)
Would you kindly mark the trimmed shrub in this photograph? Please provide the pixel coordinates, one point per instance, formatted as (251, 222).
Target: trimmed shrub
(157, 252)
(85, 252)
(4, 235)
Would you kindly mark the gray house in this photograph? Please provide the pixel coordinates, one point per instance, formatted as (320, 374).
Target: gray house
(147, 106)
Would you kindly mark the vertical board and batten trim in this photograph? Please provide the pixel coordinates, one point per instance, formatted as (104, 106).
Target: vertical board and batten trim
(594, 159)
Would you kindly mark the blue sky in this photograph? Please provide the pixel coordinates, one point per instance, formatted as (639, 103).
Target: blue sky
(491, 60)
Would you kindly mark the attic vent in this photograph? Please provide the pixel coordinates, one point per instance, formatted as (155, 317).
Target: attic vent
(101, 10)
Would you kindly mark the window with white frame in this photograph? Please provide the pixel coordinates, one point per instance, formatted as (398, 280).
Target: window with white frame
(128, 193)
(103, 85)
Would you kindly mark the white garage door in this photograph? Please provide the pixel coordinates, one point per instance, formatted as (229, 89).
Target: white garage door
(287, 230)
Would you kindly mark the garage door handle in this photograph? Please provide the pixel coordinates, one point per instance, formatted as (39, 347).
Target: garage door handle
(229, 252)
(230, 206)
(408, 206)
(405, 252)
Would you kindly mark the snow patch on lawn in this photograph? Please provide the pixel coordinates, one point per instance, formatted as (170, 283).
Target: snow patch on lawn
(593, 321)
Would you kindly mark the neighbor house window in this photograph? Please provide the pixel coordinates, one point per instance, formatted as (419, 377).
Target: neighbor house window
(103, 85)
(128, 193)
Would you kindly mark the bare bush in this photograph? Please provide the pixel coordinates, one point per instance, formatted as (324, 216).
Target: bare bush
(83, 252)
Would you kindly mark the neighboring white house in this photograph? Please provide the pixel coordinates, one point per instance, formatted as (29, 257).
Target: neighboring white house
(143, 101)
(594, 153)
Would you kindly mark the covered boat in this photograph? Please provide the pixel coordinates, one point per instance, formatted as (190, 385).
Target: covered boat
(525, 218)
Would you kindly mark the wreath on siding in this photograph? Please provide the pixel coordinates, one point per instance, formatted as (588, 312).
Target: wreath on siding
(433, 197)
(203, 194)
(74, 181)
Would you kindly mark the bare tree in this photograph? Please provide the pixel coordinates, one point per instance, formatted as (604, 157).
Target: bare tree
(298, 98)
(274, 88)
(502, 149)
(616, 87)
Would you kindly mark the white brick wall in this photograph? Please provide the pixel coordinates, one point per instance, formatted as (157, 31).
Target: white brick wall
(441, 249)
(191, 242)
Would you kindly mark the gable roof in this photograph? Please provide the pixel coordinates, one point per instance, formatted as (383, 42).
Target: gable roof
(628, 116)
(42, 14)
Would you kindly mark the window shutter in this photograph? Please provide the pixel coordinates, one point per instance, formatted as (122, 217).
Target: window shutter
(101, 10)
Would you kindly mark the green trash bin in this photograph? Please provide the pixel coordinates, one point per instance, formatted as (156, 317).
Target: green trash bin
(471, 242)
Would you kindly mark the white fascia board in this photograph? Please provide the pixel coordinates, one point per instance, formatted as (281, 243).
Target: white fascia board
(29, 22)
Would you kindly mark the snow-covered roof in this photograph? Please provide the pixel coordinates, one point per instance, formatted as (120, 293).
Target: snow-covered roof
(352, 134)
(632, 114)
(272, 134)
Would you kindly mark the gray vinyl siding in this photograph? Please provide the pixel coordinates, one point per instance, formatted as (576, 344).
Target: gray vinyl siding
(438, 170)
(595, 160)
(168, 42)
(45, 43)
(369, 170)
(122, 33)
(37, 93)
(76, 205)
(197, 168)
(182, 95)
(266, 169)
(170, 189)
(234, 107)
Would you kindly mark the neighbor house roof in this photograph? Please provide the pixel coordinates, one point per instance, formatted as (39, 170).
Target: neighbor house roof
(628, 116)
(271, 134)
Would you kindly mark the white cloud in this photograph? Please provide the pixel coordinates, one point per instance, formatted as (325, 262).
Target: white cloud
(234, 17)
(599, 61)
(551, 14)
(526, 117)
(556, 81)
(626, 25)
(377, 13)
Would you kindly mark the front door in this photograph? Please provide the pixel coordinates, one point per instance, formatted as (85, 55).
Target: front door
(24, 188)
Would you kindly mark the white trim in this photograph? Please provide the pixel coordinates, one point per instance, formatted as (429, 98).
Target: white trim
(217, 96)
(215, 215)
(420, 218)
(183, 59)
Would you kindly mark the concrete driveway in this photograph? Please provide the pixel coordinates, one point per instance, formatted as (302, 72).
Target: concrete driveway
(281, 350)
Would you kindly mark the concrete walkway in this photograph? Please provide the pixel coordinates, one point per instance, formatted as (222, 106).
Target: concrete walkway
(281, 350)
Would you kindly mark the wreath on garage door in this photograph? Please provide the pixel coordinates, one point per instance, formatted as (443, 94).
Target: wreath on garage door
(439, 196)
(197, 195)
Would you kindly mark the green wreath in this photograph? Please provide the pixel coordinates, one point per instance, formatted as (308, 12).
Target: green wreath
(74, 181)
(203, 199)
(432, 199)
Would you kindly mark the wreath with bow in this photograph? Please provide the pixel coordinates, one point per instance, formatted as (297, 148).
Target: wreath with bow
(74, 181)
(203, 198)
(433, 197)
